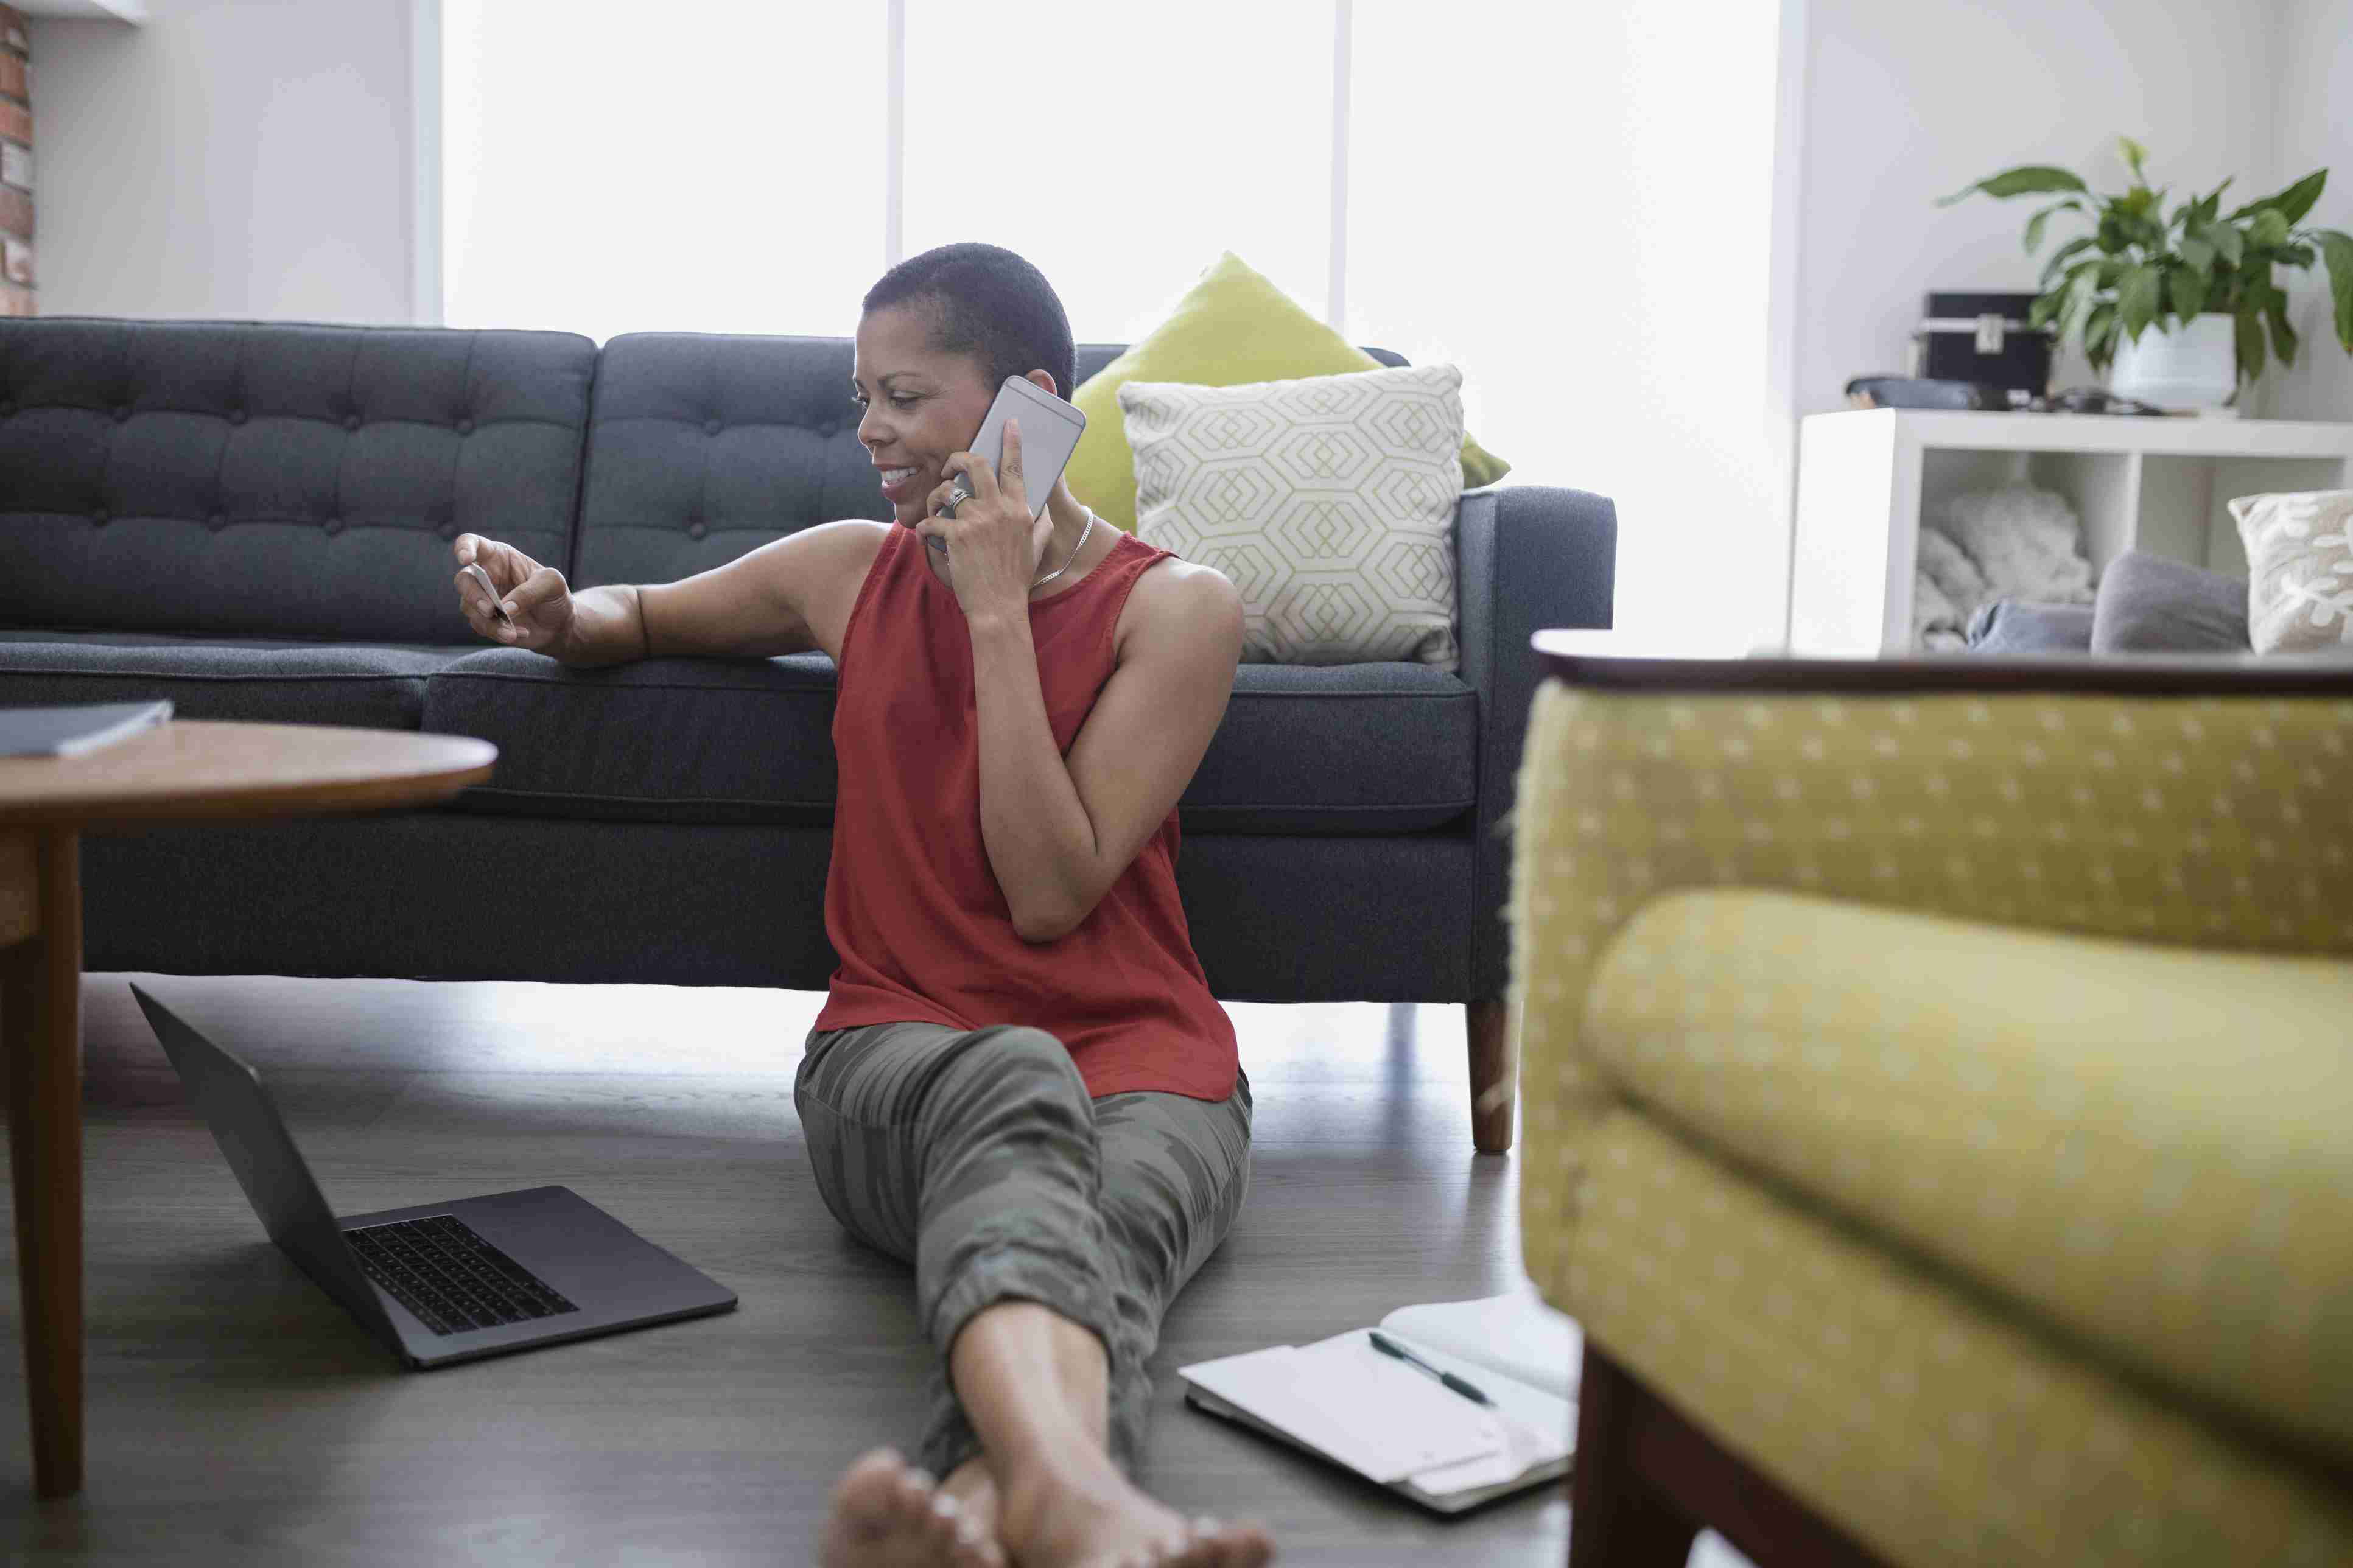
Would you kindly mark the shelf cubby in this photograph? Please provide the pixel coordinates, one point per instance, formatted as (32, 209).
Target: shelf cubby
(1866, 478)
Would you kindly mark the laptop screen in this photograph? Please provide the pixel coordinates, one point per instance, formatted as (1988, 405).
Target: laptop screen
(228, 1095)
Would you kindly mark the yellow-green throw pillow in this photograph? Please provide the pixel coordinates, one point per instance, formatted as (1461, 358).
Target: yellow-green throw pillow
(1231, 329)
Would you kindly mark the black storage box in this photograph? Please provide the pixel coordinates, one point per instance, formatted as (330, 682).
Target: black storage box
(1983, 338)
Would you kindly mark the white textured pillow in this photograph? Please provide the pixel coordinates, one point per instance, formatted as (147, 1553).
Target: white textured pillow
(1329, 501)
(2299, 569)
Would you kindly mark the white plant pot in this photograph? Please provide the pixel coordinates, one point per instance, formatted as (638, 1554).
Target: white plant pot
(2194, 365)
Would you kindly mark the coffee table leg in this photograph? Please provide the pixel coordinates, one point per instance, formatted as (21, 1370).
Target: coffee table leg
(40, 1036)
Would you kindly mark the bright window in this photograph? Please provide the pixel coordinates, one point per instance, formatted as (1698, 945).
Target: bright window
(1570, 202)
(1152, 139)
(705, 166)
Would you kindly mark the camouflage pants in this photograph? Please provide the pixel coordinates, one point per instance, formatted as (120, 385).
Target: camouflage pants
(976, 1155)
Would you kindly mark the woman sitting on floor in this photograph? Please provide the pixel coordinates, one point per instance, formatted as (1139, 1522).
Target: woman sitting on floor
(1019, 1083)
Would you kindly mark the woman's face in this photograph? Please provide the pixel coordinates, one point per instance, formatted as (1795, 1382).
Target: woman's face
(917, 407)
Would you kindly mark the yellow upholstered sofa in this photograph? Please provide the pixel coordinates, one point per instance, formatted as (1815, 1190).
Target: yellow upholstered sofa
(1937, 1087)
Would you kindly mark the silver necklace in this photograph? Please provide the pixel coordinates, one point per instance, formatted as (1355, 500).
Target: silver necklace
(1065, 566)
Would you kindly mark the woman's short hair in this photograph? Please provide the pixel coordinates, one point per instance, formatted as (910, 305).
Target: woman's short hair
(987, 302)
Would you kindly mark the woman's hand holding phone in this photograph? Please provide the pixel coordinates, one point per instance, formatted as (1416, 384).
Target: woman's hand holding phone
(997, 538)
(994, 542)
(507, 597)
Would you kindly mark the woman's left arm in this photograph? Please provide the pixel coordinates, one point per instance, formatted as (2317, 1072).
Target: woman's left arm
(1060, 834)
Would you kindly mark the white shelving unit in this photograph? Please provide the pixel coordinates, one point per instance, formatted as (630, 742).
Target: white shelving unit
(1866, 476)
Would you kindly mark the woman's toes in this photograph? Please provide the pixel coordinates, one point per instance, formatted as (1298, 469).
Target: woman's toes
(943, 1519)
(1216, 1545)
(1247, 1546)
(869, 1488)
(875, 1461)
(970, 1549)
(882, 1513)
(913, 1497)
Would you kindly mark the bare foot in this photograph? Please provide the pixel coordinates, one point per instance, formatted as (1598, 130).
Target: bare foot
(1088, 1515)
(887, 1514)
(1210, 1544)
(975, 1491)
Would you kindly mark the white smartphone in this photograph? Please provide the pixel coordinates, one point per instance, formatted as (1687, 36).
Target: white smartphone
(1051, 429)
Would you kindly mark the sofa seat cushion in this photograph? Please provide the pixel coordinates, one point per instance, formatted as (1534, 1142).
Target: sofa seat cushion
(662, 740)
(1368, 748)
(2144, 1145)
(1339, 748)
(371, 686)
(1932, 1424)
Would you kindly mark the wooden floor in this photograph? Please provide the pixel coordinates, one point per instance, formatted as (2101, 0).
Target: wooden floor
(235, 1413)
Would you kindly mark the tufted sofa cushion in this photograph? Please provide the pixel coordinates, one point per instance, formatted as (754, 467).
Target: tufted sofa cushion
(705, 445)
(302, 480)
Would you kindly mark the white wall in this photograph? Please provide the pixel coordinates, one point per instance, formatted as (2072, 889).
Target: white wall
(1908, 102)
(2314, 123)
(245, 159)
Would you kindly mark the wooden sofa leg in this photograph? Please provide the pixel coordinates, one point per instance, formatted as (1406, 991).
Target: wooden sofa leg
(1616, 1516)
(1491, 1116)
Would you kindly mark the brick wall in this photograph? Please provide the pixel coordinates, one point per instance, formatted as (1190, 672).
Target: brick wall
(16, 298)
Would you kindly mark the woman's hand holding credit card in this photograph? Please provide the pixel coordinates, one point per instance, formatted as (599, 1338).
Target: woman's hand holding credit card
(507, 597)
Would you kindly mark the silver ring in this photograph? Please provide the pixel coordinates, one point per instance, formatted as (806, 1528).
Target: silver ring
(955, 499)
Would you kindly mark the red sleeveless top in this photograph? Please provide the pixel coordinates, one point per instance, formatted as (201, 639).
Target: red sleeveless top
(911, 905)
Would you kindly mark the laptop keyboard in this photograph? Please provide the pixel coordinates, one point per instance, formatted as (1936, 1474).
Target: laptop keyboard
(441, 1269)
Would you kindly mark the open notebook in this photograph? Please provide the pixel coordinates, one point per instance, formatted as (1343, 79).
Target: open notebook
(1394, 1424)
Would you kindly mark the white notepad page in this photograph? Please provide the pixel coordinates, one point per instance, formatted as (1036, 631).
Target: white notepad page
(1536, 1426)
(1516, 1331)
(1371, 1413)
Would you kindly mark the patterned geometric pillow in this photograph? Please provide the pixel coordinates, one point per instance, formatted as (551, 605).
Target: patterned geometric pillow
(2299, 569)
(1329, 501)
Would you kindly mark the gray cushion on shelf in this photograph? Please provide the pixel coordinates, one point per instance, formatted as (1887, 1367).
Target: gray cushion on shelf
(1369, 748)
(2150, 605)
(2023, 626)
(372, 686)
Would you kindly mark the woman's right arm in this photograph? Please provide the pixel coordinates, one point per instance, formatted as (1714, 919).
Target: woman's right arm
(756, 605)
(607, 627)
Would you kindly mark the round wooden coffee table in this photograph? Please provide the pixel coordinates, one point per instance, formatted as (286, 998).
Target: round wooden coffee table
(181, 770)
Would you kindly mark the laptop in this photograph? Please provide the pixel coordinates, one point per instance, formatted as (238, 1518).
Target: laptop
(437, 1282)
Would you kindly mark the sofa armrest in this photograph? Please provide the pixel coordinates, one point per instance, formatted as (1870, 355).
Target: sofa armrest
(1526, 557)
(2215, 819)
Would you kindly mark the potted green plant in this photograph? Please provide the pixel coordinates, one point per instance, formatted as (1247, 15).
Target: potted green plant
(2179, 304)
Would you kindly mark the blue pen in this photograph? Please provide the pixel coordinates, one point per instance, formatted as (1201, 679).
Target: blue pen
(1390, 1347)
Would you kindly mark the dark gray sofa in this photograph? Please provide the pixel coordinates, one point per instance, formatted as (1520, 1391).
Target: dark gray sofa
(253, 519)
